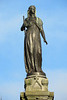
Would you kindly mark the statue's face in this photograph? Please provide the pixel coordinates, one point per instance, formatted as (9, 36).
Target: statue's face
(32, 10)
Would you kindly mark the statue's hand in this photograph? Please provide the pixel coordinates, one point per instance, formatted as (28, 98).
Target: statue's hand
(46, 42)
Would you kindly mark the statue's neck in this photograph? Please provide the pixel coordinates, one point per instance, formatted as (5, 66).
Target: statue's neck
(32, 15)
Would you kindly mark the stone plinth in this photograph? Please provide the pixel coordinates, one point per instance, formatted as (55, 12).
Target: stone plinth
(36, 87)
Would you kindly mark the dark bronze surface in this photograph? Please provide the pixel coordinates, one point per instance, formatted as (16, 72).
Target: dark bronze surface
(36, 73)
(32, 42)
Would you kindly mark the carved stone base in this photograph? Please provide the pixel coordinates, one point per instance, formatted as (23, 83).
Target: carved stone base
(36, 87)
(39, 96)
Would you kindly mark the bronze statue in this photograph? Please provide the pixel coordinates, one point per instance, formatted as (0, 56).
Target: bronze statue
(32, 41)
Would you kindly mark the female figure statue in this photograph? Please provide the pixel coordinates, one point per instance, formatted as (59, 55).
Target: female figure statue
(32, 41)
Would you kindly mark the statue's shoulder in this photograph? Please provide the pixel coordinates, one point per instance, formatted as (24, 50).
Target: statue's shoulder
(39, 21)
(26, 19)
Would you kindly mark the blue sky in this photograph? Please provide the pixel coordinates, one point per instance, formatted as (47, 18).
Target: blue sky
(54, 56)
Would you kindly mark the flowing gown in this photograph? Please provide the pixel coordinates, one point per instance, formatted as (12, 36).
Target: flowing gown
(32, 46)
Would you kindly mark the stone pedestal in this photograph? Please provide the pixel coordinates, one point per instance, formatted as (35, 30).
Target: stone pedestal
(36, 87)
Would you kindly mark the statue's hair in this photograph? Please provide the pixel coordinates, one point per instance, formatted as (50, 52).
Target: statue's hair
(28, 12)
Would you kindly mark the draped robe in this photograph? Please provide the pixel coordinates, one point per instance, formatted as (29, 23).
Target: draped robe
(32, 45)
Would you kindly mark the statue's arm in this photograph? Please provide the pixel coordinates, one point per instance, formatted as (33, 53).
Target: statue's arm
(43, 35)
(39, 24)
(23, 27)
(42, 32)
(25, 24)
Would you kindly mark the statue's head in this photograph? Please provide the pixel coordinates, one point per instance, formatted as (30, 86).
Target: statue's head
(31, 10)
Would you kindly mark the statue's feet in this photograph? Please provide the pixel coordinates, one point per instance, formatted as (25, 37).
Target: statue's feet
(37, 73)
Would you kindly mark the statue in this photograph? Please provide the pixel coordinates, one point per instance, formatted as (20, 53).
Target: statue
(36, 82)
(33, 26)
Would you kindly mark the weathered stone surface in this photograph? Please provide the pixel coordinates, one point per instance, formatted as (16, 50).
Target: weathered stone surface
(36, 83)
(36, 87)
(22, 96)
(37, 95)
